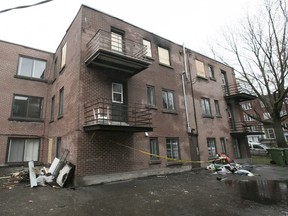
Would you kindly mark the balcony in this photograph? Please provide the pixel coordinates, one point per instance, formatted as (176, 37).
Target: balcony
(118, 55)
(237, 92)
(245, 128)
(103, 115)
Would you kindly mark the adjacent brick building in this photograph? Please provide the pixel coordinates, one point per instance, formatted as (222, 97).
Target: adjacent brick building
(112, 89)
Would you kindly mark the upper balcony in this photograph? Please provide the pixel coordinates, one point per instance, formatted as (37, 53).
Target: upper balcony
(237, 92)
(103, 115)
(116, 54)
(243, 128)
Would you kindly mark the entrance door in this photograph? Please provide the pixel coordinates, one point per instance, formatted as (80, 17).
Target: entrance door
(119, 107)
(194, 151)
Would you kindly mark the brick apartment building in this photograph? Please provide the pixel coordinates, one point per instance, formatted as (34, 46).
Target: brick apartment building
(110, 89)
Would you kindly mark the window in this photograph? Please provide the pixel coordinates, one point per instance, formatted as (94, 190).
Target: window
(168, 100)
(200, 68)
(217, 108)
(116, 42)
(21, 150)
(266, 115)
(211, 71)
(262, 104)
(117, 93)
(246, 106)
(270, 133)
(52, 108)
(154, 148)
(223, 145)
(236, 147)
(247, 118)
(33, 68)
(211, 143)
(206, 109)
(61, 100)
(26, 107)
(164, 57)
(148, 48)
(172, 148)
(63, 55)
(58, 147)
(151, 96)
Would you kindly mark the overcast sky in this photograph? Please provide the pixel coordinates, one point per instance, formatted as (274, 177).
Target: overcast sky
(195, 23)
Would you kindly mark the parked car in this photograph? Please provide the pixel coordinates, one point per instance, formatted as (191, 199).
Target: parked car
(258, 148)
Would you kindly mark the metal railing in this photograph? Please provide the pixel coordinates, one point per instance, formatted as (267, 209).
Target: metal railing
(102, 111)
(103, 40)
(234, 89)
(244, 127)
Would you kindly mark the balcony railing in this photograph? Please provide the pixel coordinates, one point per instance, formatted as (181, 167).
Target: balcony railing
(242, 127)
(120, 54)
(102, 114)
(237, 92)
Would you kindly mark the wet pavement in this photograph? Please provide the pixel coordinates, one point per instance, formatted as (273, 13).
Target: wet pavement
(198, 192)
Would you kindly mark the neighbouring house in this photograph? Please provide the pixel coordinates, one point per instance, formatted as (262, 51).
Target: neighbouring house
(112, 89)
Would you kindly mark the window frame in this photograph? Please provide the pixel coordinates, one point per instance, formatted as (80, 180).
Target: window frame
(211, 72)
(212, 151)
(121, 93)
(223, 145)
(61, 103)
(154, 148)
(27, 117)
(148, 44)
(58, 147)
(217, 108)
(206, 112)
(117, 39)
(52, 109)
(164, 56)
(151, 101)
(34, 158)
(174, 140)
(167, 93)
(32, 71)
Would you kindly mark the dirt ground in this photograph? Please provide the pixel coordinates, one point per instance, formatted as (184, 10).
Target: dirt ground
(197, 192)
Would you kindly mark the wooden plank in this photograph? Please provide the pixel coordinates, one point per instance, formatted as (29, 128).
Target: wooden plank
(32, 174)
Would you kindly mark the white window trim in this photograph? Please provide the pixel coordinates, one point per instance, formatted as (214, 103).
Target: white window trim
(121, 93)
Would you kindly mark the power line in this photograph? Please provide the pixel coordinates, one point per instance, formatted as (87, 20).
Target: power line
(25, 6)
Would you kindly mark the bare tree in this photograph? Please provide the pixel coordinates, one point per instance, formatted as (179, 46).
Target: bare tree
(261, 50)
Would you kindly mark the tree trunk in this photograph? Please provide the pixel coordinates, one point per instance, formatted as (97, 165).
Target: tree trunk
(280, 138)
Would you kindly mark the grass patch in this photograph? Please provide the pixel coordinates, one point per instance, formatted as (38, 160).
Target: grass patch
(257, 159)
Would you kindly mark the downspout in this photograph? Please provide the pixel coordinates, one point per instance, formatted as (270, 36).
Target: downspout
(184, 73)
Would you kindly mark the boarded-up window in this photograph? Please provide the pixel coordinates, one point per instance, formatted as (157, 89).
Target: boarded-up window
(148, 48)
(63, 55)
(163, 56)
(200, 68)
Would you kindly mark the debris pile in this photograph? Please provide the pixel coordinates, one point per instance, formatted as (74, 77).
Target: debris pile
(224, 165)
(59, 174)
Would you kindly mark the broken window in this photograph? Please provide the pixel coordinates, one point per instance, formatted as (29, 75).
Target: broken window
(164, 57)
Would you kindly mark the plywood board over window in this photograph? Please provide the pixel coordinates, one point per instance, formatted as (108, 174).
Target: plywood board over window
(200, 68)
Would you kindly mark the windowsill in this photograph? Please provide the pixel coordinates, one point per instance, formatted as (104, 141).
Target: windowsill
(62, 69)
(154, 161)
(151, 107)
(165, 65)
(60, 117)
(22, 163)
(31, 78)
(169, 111)
(149, 58)
(51, 121)
(54, 79)
(201, 77)
(25, 119)
(213, 79)
(174, 163)
(218, 116)
(207, 116)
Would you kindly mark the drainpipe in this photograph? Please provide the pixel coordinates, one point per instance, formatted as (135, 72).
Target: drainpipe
(184, 73)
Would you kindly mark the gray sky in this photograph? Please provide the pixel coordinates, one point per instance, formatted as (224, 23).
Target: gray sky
(195, 23)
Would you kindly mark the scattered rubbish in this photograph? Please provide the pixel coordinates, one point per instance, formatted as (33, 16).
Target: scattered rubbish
(223, 165)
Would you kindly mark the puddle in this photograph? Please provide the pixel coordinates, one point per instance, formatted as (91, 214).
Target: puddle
(262, 191)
